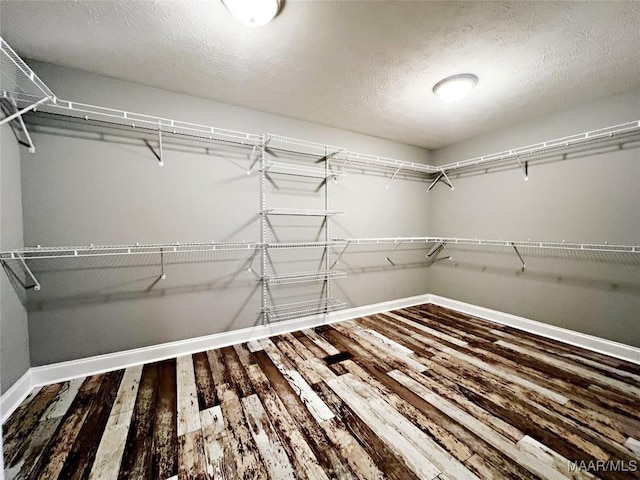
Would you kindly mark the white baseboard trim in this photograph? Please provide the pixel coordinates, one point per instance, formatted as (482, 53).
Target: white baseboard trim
(590, 342)
(60, 372)
(12, 398)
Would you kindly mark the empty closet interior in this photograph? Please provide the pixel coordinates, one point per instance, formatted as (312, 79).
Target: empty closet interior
(142, 221)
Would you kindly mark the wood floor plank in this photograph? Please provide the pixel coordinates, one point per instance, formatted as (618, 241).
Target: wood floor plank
(18, 428)
(309, 398)
(245, 452)
(218, 452)
(236, 372)
(367, 408)
(502, 443)
(32, 450)
(541, 451)
(165, 422)
(274, 456)
(377, 347)
(53, 457)
(187, 396)
(204, 381)
(128, 390)
(304, 460)
(423, 328)
(379, 460)
(192, 464)
(106, 465)
(444, 440)
(83, 452)
(633, 445)
(604, 381)
(137, 456)
(561, 432)
(333, 463)
(321, 342)
(63, 400)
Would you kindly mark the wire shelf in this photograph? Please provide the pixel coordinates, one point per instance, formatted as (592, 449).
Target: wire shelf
(302, 147)
(366, 159)
(284, 245)
(157, 124)
(302, 309)
(593, 136)
(114, 250)
(303, 277)
(586, 247)
(302, 212)
(17, 80)
(298, 170)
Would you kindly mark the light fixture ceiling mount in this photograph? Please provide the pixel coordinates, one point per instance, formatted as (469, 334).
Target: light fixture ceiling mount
(253, 13)
(455, 87)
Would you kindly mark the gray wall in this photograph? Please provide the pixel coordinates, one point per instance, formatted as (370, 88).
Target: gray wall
(81, 188)
(14, 339)
(593, 197)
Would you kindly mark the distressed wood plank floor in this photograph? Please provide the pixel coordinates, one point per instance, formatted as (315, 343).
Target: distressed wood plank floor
(418, 393)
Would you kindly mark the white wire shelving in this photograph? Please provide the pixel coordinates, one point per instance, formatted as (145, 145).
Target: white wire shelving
(285, 245)
(302, 212)
(438, 244)
(520, 154)
(585, 247)
(31, 253)
(303, 277)
(21, 86)
(299, 170)
(24, 255)
(302, 309)
(341, 156)
(19, 82)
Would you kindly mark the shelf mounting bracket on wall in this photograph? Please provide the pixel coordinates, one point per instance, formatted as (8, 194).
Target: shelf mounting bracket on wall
(524, 167)
(435, 251)
(340, 255)
(519, 256)
(391, 252)
(36, 284)
(16, 114)
(393, 176)
(163, 276)
(442, 176)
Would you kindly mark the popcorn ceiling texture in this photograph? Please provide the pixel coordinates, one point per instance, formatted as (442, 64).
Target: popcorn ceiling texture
(363, 66)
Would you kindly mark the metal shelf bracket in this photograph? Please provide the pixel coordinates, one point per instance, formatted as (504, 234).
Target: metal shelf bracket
(442, 176)
(519, 256)
(391, 252)
(36, 284)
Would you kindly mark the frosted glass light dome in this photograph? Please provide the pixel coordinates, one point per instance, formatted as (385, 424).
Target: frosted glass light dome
(253, 13)
(456, 87)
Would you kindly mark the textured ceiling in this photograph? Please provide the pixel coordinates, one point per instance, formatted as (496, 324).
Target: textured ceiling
(361, 66)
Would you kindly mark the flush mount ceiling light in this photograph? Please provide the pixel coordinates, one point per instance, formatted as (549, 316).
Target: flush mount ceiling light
(254, 13)
(456, 87)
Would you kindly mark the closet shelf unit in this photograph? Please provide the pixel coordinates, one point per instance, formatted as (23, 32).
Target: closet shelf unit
(299, 155)
(303, 277)
(288, 311)
(22, 91)
(438, 244)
